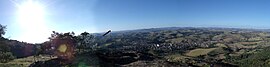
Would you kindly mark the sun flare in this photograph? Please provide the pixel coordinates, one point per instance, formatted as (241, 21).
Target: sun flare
(31, 19)
(30, 13)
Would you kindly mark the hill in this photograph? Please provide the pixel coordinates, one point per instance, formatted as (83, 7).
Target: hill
(171, 46)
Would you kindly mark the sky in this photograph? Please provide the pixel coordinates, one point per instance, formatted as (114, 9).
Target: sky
(33, 20)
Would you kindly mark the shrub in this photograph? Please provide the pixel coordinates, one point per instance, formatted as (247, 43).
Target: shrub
(6, 57)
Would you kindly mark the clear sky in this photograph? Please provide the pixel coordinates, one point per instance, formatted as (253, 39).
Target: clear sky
(34, 22)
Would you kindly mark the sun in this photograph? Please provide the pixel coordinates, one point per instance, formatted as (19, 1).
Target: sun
(31, 19)
(30, 12)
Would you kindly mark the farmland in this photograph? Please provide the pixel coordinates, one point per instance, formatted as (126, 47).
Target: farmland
(173, 46)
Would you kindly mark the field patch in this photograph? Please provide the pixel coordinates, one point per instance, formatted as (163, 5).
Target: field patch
(199, 51)
(25, 62)
(176, 58)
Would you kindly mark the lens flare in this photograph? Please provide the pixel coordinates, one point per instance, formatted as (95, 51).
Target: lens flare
(62, 48)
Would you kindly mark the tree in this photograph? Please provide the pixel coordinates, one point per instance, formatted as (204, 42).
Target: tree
(2, 30)
(85, 40)
(5, 54)
(61, 45)
(62, 35)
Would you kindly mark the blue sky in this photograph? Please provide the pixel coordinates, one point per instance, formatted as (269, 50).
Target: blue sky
(102, 15)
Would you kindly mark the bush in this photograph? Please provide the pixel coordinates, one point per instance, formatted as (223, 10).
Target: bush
(5, 54)
(6, 57)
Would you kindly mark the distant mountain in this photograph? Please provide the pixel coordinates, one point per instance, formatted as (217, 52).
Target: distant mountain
(180, 28)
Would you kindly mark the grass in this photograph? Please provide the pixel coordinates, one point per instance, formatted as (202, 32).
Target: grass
(24, 62)
(199, 51)
(176, 58)
(221, 45)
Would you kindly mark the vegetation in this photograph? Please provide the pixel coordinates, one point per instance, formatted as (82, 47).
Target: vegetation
(2, 30)
(24, 62)
(261, 58)
(198, 52)
(5, 54)
(148, 47)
